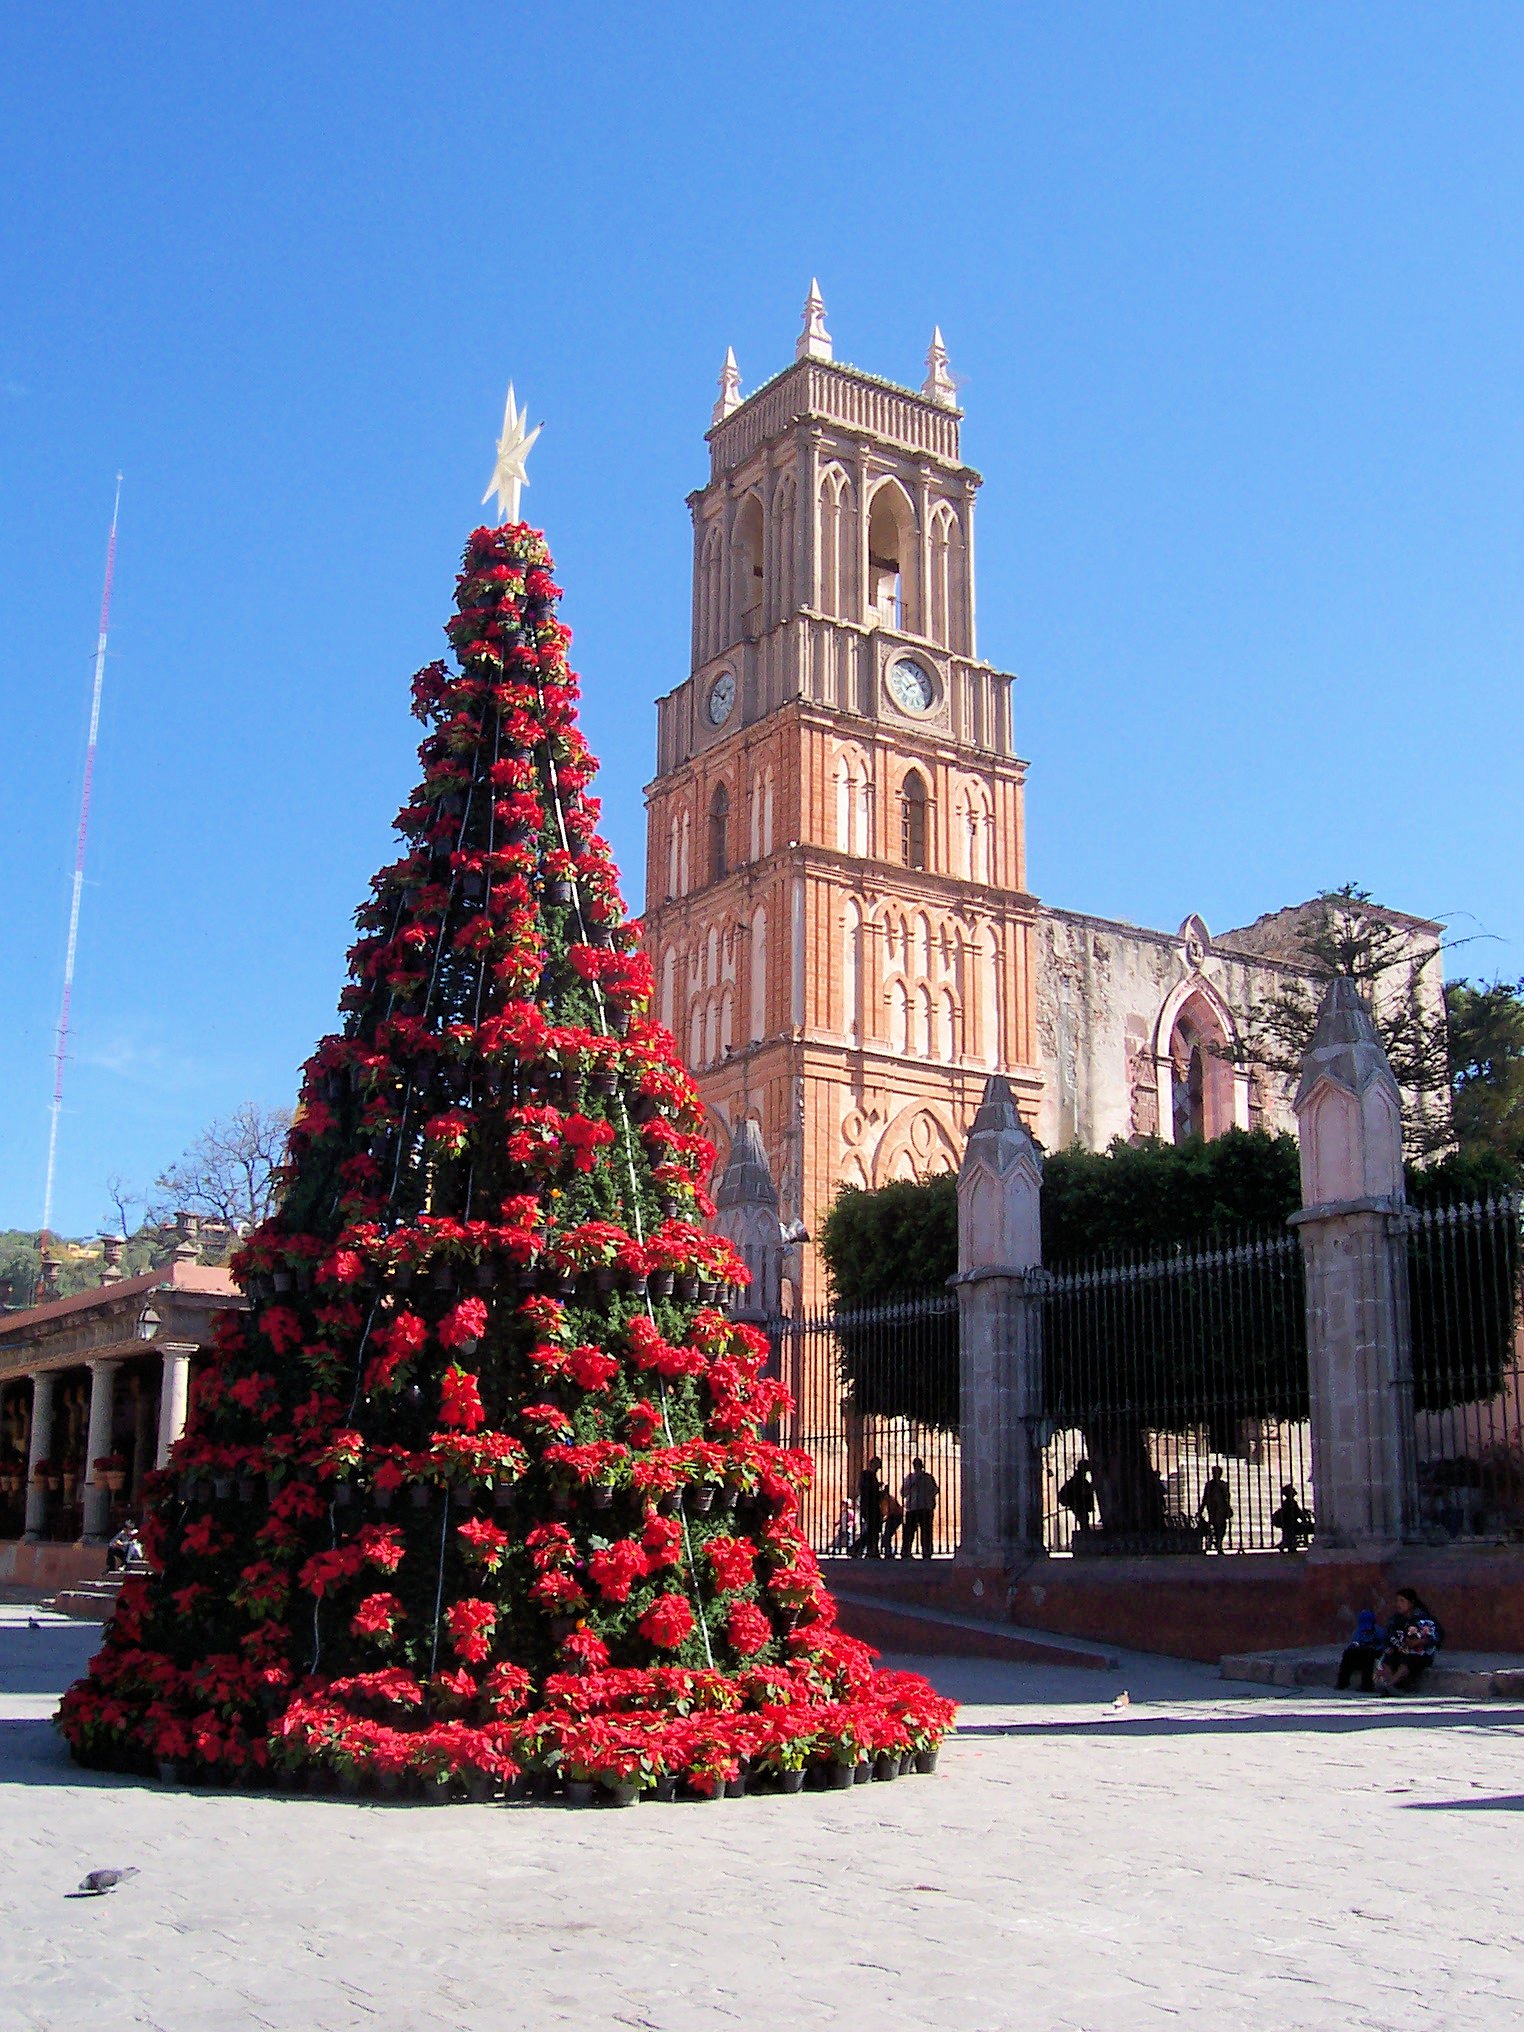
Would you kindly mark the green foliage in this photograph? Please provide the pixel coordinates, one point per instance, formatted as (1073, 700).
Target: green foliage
(1486, 1065)
(879, 1245)
(1145, 1198)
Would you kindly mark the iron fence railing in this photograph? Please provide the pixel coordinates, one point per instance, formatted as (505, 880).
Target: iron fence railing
(1464, 1264)
(878, 1381)
(1175, 1413)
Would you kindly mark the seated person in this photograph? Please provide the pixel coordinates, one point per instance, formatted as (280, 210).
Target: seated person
(1362, 1652)
(1413, 1637)
(122, 1548)
(1292, 1521)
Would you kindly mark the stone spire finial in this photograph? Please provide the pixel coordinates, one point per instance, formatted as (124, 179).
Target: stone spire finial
(938, 385)
(730, 387)
(1348, 1105)
(814, 342)
(999, 1187)
(746, 1214)
(746, 1179)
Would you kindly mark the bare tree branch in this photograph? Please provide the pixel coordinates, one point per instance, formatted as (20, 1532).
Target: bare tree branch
(227, 1174)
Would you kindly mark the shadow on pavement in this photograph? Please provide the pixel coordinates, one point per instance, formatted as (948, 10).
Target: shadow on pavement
(1512, 1802)
(1249, 1722)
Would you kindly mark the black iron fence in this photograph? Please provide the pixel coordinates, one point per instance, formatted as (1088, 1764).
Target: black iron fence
(1175, 1410)
(1464, 1264)
(878, 1382)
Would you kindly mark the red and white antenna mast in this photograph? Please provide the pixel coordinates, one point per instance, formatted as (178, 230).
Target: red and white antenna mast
(60, 1045)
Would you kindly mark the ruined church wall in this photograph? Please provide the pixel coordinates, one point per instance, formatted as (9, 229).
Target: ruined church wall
(1102, 989)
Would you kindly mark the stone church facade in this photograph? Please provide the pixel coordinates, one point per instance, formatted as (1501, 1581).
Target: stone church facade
(837, 908)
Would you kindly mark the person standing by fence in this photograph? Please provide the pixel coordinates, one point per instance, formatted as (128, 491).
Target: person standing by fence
(920, 1494)
(1216, 1508)
(870, 1509)
(894, 1517)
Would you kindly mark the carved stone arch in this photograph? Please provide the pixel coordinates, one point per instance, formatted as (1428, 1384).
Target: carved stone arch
(748, 566)
(836, 509)
(898, 997)
(786, 547)
(849, 774)
(918, 1143)
(1202, 1089)
(893, 592)
(711, 604)
(852, 971)
(946, 595)
(757, 960)
(925, 1045)
(949, 1024)
(668, 1002)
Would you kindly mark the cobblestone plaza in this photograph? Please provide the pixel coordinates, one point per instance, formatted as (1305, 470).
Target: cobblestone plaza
(1211, 1853)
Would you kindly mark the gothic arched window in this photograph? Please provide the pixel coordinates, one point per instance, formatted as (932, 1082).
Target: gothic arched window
(749, 568)
(719, 834)
(913, 820)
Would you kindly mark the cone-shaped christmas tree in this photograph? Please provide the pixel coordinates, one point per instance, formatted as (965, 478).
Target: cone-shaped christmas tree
(478, 1486)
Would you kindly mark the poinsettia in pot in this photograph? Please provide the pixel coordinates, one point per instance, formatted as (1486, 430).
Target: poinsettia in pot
(109, 1471)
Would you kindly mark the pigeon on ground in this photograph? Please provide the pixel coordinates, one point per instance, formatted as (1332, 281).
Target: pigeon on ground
(99, 1882)
(1123, 1699)
(32, 1623)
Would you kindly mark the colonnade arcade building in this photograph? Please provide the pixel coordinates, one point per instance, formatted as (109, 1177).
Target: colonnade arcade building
(837, 905)
(93, 1393)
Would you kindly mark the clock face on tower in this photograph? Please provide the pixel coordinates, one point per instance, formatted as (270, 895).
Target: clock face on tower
(722, 696)
(911, 685)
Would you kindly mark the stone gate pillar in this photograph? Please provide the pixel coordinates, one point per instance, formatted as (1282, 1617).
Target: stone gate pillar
(1000, 1326)
(1353, 1230)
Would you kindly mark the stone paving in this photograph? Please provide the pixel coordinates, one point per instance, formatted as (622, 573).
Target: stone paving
(1210, 1855)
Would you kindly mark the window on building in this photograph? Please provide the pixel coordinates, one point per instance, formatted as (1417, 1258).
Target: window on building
(913, 820)
(719, 833)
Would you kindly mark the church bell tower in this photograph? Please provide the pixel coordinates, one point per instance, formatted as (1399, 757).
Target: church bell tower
(836, 905)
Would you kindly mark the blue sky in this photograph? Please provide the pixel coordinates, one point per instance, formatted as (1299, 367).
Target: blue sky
(1234, 293)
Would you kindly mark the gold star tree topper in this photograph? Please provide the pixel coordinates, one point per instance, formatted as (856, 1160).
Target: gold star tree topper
(513, 448)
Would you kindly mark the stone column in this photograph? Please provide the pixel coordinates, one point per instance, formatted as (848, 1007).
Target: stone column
(42, 1439)
(174, 1398)
(97, 1501)
(999, 1286)
(1353, 1230)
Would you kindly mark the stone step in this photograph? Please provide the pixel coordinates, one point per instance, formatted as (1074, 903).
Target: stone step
(89, 1600)
(906, 1626)
(1464, 1675)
